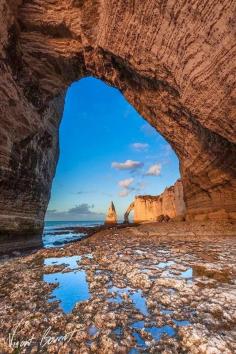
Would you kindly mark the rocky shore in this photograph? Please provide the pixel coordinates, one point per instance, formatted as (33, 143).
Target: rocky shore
(56, 237)
(153, 288)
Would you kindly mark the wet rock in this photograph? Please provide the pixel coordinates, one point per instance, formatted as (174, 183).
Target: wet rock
(136, 279)
(211, 271)
(198, 340)
(139, 280)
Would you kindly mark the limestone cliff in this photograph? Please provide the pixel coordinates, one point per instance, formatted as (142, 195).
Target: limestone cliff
(149, 208)
(173, 60)
(111, 217)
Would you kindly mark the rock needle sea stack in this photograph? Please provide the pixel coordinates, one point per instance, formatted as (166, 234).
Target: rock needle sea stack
(111, 217)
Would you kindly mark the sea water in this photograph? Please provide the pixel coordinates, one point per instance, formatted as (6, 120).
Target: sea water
(65, 235)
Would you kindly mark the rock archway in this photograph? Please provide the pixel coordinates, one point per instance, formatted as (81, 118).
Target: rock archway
(174, 61)
(128, 211)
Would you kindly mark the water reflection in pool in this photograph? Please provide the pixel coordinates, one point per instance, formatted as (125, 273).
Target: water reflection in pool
(136, 296)
(71, 262)
(72, 287)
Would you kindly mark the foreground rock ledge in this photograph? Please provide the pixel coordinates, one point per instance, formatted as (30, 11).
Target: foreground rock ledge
(186, 285)
(174, 61)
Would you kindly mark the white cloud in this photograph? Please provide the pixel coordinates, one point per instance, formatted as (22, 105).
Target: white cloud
(125, 183)
(124, 192)
(127, 165)
(148, 130)
(154, 170)
(127, 188)
(140, 146)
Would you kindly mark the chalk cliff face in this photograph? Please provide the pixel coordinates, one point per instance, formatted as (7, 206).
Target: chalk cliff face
(149, 208)
(111, 217)
(174, 61)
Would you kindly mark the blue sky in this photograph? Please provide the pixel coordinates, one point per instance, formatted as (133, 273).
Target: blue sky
(107, 152)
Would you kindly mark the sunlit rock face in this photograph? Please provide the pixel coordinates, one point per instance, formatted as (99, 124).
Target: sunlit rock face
(111, 217)
(170, 203)
(173, 61)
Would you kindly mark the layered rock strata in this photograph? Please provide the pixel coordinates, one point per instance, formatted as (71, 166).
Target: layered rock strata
(170, 203)
(174, 61)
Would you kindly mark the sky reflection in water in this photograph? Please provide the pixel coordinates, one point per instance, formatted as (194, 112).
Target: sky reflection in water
(72, 288)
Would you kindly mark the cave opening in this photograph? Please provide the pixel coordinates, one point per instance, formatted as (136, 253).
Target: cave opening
(46, 48)
(126, 289)
(107, 152)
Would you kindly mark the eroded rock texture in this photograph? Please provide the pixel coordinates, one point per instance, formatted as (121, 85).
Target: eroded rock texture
(111, 217)
(170, 204)
(174, 61)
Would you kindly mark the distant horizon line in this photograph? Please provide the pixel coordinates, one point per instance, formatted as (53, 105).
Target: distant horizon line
(76, 220)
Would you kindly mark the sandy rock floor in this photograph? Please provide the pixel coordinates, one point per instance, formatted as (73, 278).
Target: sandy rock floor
(131, 290)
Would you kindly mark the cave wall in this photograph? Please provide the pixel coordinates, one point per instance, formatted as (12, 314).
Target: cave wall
(174, 61)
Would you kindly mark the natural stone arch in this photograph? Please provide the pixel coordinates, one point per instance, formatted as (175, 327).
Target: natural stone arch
(172, 60)
(128, 211)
